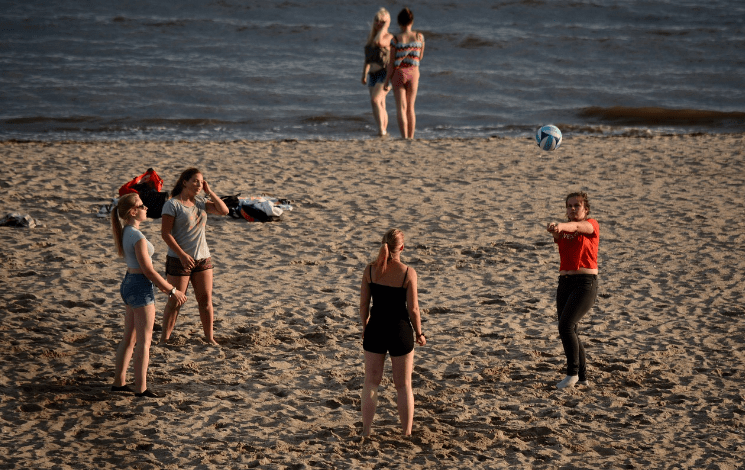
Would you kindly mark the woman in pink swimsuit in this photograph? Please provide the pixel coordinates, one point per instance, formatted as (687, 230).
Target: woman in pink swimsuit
(407, 49)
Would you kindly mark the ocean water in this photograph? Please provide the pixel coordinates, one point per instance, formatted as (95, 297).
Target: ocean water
(275, 70)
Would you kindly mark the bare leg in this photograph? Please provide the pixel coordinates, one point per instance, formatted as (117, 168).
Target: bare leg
(144, 319)
(377, 100)
(374, 365)
(383, 116)
(124, 350)
(401, 111)
(171, 311)
(410, 101)
(202, 283)
(402, 369)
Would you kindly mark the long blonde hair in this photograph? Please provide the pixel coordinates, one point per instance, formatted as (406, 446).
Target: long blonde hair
(121, 212)
(392, 242)
(374, 36)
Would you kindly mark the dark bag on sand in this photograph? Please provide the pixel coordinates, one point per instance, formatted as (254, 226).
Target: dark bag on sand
(148, 185)
(154, 201)
(146, 181)
(233, 204)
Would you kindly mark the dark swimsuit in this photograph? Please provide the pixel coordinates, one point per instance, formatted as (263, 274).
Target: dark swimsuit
(389, 329)
(377, 55)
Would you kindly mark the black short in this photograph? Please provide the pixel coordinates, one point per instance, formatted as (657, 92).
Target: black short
(175, 268)
(384, 337)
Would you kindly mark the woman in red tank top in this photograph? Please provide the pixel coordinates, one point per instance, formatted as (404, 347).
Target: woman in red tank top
(578, 281)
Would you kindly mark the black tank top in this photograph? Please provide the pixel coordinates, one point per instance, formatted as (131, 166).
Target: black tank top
(388, 303)
(377, 55)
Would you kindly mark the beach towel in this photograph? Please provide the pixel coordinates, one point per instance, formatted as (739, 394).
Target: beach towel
(257, 208)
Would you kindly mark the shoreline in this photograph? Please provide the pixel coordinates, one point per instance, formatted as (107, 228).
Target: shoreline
(584, 131)
(664, 340)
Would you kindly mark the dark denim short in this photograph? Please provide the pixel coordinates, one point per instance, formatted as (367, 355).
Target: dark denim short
(137, 290)
(373, 78)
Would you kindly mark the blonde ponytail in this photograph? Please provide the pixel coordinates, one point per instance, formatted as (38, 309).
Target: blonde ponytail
(392, 241)
(121, 211)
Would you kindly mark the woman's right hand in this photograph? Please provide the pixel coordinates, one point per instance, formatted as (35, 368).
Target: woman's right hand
(180, 298)
(187, 261)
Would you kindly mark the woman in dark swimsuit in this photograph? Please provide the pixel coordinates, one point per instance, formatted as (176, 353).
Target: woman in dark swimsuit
(377, 53)
(391, 326)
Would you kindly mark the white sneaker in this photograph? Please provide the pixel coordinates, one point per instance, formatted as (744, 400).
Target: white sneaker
(568, 381)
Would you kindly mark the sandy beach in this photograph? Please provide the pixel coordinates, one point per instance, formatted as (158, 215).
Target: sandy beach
(665, 340)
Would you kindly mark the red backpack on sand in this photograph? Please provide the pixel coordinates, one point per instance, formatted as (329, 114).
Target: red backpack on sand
(146, 181)
(148, 185)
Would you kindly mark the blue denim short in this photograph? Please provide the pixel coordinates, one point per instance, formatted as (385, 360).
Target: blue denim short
(373, 78)
(137, 290)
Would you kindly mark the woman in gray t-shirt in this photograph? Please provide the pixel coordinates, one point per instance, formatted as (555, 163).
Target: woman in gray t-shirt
(137, 293)
(188, 259)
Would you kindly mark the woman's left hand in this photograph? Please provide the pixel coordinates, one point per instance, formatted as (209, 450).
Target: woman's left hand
(205, 187)
(421, 340)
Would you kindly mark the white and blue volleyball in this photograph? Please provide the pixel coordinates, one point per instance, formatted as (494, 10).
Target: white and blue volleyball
(548, 137)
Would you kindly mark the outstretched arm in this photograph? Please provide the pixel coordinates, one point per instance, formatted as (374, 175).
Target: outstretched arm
(584, 227)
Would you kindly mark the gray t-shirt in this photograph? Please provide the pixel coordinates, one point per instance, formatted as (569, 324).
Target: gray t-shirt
(130, 237)
(189, 226)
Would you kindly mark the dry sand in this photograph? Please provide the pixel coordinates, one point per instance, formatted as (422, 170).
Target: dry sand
(665, 341)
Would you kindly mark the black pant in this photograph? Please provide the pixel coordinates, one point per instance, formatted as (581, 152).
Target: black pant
(575, 296)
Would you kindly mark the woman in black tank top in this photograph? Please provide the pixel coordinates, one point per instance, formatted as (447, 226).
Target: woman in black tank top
(391, 326)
